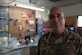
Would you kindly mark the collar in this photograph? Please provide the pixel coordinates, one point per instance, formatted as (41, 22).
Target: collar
(63, 36)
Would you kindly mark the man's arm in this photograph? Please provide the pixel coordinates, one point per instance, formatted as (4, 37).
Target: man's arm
(80, 50)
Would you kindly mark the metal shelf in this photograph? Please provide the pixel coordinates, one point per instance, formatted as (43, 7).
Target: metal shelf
(4, 21)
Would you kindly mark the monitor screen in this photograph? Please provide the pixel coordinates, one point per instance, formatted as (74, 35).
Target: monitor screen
(72, 28)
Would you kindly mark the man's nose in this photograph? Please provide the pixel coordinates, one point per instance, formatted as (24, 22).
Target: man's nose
(55, 18)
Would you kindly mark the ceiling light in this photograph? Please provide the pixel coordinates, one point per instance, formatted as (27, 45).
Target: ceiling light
(30, 7)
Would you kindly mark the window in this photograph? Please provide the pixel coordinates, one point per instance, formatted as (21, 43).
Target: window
(79, 22)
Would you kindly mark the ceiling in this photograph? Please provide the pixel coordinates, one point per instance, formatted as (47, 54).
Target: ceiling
(42, 3)
(54, 0)
(60, 3)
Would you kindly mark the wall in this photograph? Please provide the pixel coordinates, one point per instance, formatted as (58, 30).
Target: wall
(16, 13)
(42, 14)
(72, 10)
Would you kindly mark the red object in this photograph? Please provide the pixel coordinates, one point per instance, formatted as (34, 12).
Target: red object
(30, 14)
(46, 27)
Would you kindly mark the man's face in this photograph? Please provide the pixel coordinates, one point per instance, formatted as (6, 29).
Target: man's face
(56, 19)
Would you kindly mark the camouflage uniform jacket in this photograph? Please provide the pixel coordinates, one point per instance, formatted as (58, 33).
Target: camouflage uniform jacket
(67, 44)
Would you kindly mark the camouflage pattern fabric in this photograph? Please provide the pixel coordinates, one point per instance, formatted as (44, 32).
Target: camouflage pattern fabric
(67, 44)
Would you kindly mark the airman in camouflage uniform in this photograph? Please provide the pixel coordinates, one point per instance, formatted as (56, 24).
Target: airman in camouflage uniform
(68, 44)
(59, 41)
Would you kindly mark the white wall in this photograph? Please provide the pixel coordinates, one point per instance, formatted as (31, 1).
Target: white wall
(73, 10)
(43, 14)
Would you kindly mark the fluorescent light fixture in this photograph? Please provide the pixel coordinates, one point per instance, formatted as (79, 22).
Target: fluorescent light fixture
(30, 7)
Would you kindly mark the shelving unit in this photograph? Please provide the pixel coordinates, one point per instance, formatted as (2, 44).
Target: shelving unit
(4, 21)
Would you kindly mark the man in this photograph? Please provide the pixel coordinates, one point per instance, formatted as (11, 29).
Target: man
(60, 41)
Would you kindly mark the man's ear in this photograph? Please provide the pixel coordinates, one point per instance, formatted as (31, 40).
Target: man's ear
(65, 18)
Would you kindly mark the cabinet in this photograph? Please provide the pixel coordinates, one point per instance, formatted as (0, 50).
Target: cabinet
(17, 52)
(27, 50)
(3, 21)
(34, 50)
